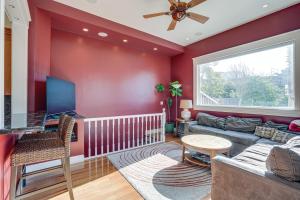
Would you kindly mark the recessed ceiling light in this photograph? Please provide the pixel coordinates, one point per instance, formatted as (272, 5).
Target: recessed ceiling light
(155, 49)
(85, 29)
(102, 34)
(187, 38)
(265, 5)
(125, 41)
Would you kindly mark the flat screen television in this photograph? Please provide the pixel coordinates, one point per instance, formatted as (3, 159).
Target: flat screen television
(60, 96)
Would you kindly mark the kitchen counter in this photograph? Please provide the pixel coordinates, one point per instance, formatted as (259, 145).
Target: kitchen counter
(24, 122)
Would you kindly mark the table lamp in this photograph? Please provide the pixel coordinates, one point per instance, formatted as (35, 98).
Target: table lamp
(186, 105)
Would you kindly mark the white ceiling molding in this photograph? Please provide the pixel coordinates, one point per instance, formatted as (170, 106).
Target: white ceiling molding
(223, 14)
(18, 11)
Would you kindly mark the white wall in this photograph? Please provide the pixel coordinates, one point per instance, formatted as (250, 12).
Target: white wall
(19, 15)
(19, 68)
(2, 21)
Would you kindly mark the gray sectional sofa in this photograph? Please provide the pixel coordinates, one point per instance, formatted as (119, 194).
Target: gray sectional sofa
(240, 141)
(244, 176)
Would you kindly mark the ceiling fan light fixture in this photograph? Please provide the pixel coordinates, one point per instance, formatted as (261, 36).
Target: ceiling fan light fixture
(178, 12)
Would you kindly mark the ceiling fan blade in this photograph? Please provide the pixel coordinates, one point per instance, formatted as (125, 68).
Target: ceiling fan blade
(173, 2)
(155, 14)
(172, 25)
(199, 18)
(194, 3)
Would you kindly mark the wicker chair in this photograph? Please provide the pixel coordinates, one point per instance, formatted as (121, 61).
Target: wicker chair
(41, 151)
(45, 135)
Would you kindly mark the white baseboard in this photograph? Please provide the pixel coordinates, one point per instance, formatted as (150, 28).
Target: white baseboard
(44, 165)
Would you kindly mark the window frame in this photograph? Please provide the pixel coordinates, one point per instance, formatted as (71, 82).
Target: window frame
(292, 37)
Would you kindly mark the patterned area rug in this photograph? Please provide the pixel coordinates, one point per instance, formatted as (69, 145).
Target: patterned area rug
(156, 172)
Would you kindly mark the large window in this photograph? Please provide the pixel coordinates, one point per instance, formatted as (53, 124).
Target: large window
(258, 80)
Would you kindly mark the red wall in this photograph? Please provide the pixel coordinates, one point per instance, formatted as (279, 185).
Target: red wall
(6, 145)
(39, 57)
(277, 23)
(110, 80)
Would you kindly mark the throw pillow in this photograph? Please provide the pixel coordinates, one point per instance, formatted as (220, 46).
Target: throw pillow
(295, 140)
(282, 137)
(284, 161)
(295, 126)
(264, 132)
(281, 127)
(210, 120)
(242, 124)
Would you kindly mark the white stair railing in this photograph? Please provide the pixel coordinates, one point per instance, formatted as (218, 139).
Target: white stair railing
(114, 134)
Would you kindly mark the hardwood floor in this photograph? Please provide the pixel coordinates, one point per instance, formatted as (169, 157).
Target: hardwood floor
(92, 180)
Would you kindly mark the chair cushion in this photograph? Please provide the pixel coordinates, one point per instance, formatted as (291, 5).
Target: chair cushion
(282, 137)
(203, 129)
(210, 120)
(233, 136)
(240, 137)
(281, 127)
(264, 132)
(267, 141)
(284, 160)
(39, 136)
(242, 124)
(38, 151)
(255, 155)
(294, 140)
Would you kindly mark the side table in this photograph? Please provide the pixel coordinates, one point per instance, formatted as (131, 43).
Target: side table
(180, 126)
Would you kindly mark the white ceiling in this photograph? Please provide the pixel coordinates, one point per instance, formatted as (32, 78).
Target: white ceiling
(224, 15)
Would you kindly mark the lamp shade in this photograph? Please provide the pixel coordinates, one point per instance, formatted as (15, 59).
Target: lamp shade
(186, 104)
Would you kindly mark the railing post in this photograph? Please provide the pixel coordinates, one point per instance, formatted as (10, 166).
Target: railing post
(113, 135)
(89, 139)
(163, 124)
(138, 131)
(133, 136)
(124, 133)
(107, 136)
(96, 138)
(143, 131)
(150, 129)
(118, 134)
(102, 148)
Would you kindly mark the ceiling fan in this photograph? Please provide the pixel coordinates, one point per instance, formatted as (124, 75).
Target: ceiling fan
(178, 11)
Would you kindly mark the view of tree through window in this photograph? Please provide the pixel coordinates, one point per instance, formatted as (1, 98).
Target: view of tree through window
(260, 79)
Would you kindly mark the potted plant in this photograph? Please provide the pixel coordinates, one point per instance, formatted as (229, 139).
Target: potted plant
(175, 91)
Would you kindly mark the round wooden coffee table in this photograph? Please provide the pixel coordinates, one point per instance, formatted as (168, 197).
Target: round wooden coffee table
(205, 144)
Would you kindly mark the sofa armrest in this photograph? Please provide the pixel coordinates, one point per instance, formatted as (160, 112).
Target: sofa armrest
(187, 125)
(235, 180)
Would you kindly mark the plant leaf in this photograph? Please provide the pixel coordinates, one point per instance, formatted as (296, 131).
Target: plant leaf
(160, 88)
